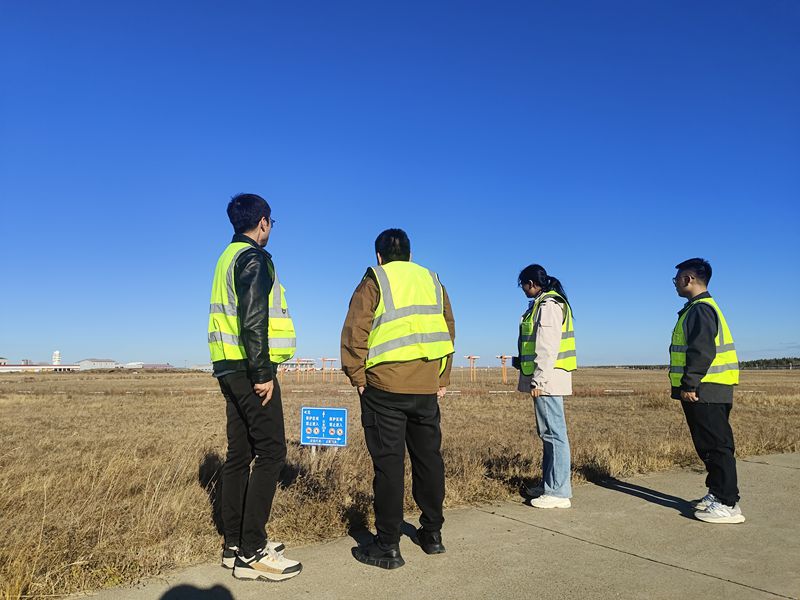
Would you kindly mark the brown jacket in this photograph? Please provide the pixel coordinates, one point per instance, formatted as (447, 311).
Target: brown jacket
(412, 377)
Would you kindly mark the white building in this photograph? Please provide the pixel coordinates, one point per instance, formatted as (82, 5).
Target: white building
(6, 368)
(97, 363)
(28, 366)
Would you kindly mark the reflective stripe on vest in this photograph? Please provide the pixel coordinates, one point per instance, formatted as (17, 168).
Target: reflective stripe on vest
(408, 323)
(724, 368)
(528, 328)
(224, 329)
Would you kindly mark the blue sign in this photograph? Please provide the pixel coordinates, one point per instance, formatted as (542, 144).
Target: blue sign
(323, 426)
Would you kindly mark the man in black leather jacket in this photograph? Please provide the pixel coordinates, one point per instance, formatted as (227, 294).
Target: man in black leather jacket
(253, 273)
(255, 428)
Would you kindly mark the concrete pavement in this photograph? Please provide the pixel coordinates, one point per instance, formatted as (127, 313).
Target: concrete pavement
(621, 539)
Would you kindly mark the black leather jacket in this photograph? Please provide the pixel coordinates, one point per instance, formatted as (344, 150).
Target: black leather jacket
(253, 275)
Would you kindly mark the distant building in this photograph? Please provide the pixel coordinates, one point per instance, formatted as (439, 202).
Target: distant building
(97, 363)
(3, 361)
(207, 368)
(41, 368)
(148, 366)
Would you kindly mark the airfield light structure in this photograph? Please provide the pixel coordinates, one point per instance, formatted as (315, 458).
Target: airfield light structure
(325, 361)
(308, 367)
(503, 358)
(473, 372)
(301, 368)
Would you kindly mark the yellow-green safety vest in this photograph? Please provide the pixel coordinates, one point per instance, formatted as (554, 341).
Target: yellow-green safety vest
(567, 359)
(725, 366)
(409, 321)
(224, 329)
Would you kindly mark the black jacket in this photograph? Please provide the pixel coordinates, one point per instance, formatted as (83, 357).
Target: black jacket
(253, 275)
(701, 326)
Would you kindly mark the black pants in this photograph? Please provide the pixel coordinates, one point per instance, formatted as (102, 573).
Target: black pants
(391, 423)
(713, 439)
(254, 432)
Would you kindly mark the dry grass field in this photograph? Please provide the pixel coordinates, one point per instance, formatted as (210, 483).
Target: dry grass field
(107, 478)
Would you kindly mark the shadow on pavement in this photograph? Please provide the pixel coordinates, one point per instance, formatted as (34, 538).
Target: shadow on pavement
(355, 516)
(357, 526)
(190, 592)
(653, 496)
(408, 530)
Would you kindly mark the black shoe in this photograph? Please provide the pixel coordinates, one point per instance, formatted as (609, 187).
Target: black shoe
(430, 541)
(376, 554)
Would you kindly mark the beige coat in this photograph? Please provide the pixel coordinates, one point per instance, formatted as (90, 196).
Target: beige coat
(552, 381)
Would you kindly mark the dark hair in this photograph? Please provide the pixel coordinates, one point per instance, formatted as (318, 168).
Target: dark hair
(539, 276)
(698, 266)
(246, 210)
(393, 244)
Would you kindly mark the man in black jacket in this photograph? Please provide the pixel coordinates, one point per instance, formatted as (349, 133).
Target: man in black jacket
(246, 375)
(706, 392)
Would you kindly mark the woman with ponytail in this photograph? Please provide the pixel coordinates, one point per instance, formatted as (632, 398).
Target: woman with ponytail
(546, 361)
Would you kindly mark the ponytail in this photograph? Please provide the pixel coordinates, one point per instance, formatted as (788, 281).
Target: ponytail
(555, 285)
(538, 275)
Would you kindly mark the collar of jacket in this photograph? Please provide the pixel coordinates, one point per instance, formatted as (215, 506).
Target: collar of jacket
(240, 237)
(688, 302)
(533, 300)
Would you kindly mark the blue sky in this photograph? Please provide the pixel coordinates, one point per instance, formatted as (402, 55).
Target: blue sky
(605, 140)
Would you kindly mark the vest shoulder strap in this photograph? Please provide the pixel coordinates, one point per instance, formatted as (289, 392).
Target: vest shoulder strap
(557, 298)
(711, 308)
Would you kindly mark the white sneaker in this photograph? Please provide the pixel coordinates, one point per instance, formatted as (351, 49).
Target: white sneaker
(703, 503)
(546, 501)
(266, 564)
(229, 553)
(717, 512)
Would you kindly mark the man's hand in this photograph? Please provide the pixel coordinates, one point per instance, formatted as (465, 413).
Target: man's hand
(265, 391)
(442, 391)
(360, 390)
(689, 396)
(536, 392)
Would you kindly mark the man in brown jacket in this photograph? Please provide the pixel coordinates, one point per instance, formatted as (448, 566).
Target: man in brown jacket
(397, 347)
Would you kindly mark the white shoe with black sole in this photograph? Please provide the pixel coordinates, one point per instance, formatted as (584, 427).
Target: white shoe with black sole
(266, 564)
(229, 553)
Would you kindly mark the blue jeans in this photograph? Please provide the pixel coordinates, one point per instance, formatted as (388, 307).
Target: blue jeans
(552, 429)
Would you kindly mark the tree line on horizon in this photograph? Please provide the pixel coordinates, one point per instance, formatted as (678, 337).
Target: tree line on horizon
(786, 362)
